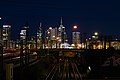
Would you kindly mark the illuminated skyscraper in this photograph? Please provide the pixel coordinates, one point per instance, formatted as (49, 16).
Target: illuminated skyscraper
(61, 33)
(24, 43)
(6, 32)
(39, 37)
(51, 37)
(24, 35)
(6, 35)
(76, 37)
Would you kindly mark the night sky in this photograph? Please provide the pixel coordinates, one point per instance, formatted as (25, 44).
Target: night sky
(89, 15)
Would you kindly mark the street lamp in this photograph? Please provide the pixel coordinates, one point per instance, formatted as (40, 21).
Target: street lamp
(1, 60)
(66, 40)
(57, 42)
(0, 26)
(75, 27)
(49, 41)
(75, 40)
(95, 37)
(96, 33)
(50, 28)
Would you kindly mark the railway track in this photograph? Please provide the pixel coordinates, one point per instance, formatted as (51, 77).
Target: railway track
(68, 70)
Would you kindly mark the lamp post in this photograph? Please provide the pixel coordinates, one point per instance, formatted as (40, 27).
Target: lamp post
(96, 33)
(26, 46)
(57, 42)
(95, 38)
(1, 60)
(75, 40)
(21, 50)
(75, 27)
(0, 30)
(50, 35)
(85, 40)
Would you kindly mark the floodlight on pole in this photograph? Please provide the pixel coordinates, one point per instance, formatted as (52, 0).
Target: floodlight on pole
(96, 33)
(75, 27)
(50, 28)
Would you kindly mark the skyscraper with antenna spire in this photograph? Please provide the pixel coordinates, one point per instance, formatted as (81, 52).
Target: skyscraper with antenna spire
(61, 33)
(39, 36)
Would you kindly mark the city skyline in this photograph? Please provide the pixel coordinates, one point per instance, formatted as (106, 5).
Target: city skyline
(33, 32)
(89, 16)
(59, 39)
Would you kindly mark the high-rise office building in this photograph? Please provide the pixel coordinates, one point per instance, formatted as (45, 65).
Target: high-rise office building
(61, 33)
(76, 37)
(54, 37)
(53, 34)
(51, 37)
(24, 35)
(6, 35)
(39, 37)
(6, 32)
